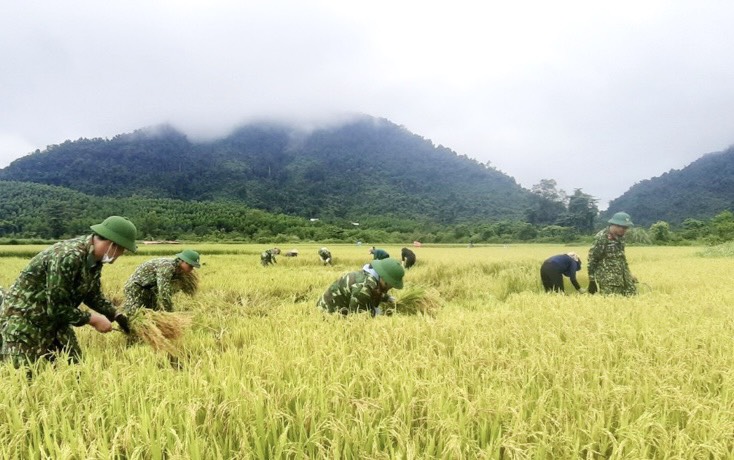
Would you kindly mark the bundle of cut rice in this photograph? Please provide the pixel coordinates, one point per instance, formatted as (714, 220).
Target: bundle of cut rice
(188, 283)
(419, 301)
(159, 329)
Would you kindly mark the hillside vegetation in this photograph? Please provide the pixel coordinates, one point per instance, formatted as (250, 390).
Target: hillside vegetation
(699, 191)
(368, 171)
(367, 167)
(34, 210)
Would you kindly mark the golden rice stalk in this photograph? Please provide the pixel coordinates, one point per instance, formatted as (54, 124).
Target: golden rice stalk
(419, 301)
(188, 283)
(171, 325)
(159, 329)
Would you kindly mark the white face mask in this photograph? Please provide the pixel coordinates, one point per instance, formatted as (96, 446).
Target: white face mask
(107, 258)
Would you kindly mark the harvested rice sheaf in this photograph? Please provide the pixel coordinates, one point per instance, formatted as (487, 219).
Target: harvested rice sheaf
(172, 325)
(419, 301)
(160, 330)
(188, 283)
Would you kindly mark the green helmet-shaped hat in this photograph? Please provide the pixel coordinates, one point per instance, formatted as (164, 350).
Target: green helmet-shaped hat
(189, 256)
(391, 271)
(118, 230)
(622, 219)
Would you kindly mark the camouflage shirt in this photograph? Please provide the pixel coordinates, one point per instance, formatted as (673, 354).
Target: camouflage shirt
(268, 257)
(353, 292)
(151, 285)
(46, 296)
(608, 265)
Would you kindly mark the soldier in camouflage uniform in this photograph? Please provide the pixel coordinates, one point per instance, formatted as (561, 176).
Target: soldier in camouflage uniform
(325, 256)
(42, 305)
(407, 257)
(268, 257)
(363, 290)
(609, 272)
(153, 283)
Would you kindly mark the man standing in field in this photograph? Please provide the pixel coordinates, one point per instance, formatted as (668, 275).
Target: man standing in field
(363, 290)
(42, 305)
(153, 283)
(609, 272)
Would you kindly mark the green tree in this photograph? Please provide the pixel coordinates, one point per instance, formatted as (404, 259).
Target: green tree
(557, 233)
(637, 235)
(693, 229)
(56, 220)
(660, 232)
(582, 210)
(547, 204)
(722, 226)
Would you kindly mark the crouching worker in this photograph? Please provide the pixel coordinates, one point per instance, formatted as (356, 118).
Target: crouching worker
(553, 269)
(42, 305)
(268, 257)
(153, 283)
(363, 290)
(325, 256)
(407, 257)
(379, 254)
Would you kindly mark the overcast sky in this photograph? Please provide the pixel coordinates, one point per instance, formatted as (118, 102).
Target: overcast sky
(596, 95)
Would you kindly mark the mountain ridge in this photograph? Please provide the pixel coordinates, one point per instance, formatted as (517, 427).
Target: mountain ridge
(363, 167)
(367, 166)
(700, 190)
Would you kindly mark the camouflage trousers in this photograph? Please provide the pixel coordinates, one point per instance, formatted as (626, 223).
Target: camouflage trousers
(327, 306)
(34, 345)
(627, 289)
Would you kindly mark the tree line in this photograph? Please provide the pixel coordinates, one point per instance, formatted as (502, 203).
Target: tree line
(41, 212)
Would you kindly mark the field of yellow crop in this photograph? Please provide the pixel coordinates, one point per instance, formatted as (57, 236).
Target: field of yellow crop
(503, 370)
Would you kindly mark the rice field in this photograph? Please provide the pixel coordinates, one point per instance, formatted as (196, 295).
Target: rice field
(501, 370)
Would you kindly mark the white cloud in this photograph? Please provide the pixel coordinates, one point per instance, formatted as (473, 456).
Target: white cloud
(596, 96)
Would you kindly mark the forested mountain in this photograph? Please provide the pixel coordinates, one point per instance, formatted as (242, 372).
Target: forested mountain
(29, 210)
(367, 167)
(37, 210)
(699, 191)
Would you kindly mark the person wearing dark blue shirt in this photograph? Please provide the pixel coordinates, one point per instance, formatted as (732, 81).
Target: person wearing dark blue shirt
(554, 268)
(378, 254)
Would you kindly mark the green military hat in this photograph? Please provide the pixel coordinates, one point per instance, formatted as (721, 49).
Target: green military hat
(391, 271)
(189, 256)
(118, 230)
(622, 219)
